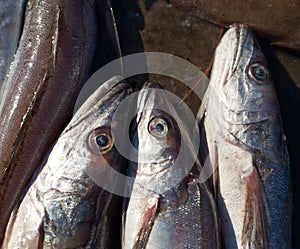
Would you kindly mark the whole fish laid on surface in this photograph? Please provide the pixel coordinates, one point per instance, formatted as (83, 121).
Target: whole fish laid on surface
(276, 20)
(11, 23)
(51, 64)
(182, 215)
(64, 207)
(241, 120)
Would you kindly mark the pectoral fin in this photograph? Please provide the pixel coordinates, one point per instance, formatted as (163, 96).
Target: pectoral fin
(255, 220)
(147, 222)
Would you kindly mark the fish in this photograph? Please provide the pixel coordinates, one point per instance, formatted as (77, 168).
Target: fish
(275, 21)
(64, 207)
(241, 122)
(11, 23)
(51, 64)
(168, 207)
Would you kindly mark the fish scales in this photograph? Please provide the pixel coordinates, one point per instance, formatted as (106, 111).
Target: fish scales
(64, 207)
(181, 226)
(176, 221)
(246, 144)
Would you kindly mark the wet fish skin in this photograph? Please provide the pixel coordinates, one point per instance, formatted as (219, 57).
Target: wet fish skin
(64, 207)
(275, 20)
(51, 64)
(11, 21)
(246, 144)
(182, 216)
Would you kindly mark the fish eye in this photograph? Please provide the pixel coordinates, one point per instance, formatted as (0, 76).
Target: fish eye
(158, 127)
(259, 72)
(104, 142)
(100, 140)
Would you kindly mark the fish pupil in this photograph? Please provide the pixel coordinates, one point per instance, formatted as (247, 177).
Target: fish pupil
(102, 140)
(159, 127)
(259, 72)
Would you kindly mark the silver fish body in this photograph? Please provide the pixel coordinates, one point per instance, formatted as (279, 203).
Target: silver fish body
(246, 144)
(166, 209)
(64, 207)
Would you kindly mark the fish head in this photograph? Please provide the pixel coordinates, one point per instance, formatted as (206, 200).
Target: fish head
(241, 77)
(70, 191)
(163, 139)
(156, 134)
(87, 141)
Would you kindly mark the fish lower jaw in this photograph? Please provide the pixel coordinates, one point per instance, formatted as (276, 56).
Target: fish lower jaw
(247, 117)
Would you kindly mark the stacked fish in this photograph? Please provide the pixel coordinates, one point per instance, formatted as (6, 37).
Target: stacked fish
(245, 203)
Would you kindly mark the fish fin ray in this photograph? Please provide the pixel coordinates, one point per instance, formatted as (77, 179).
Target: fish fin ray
(254, 234)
